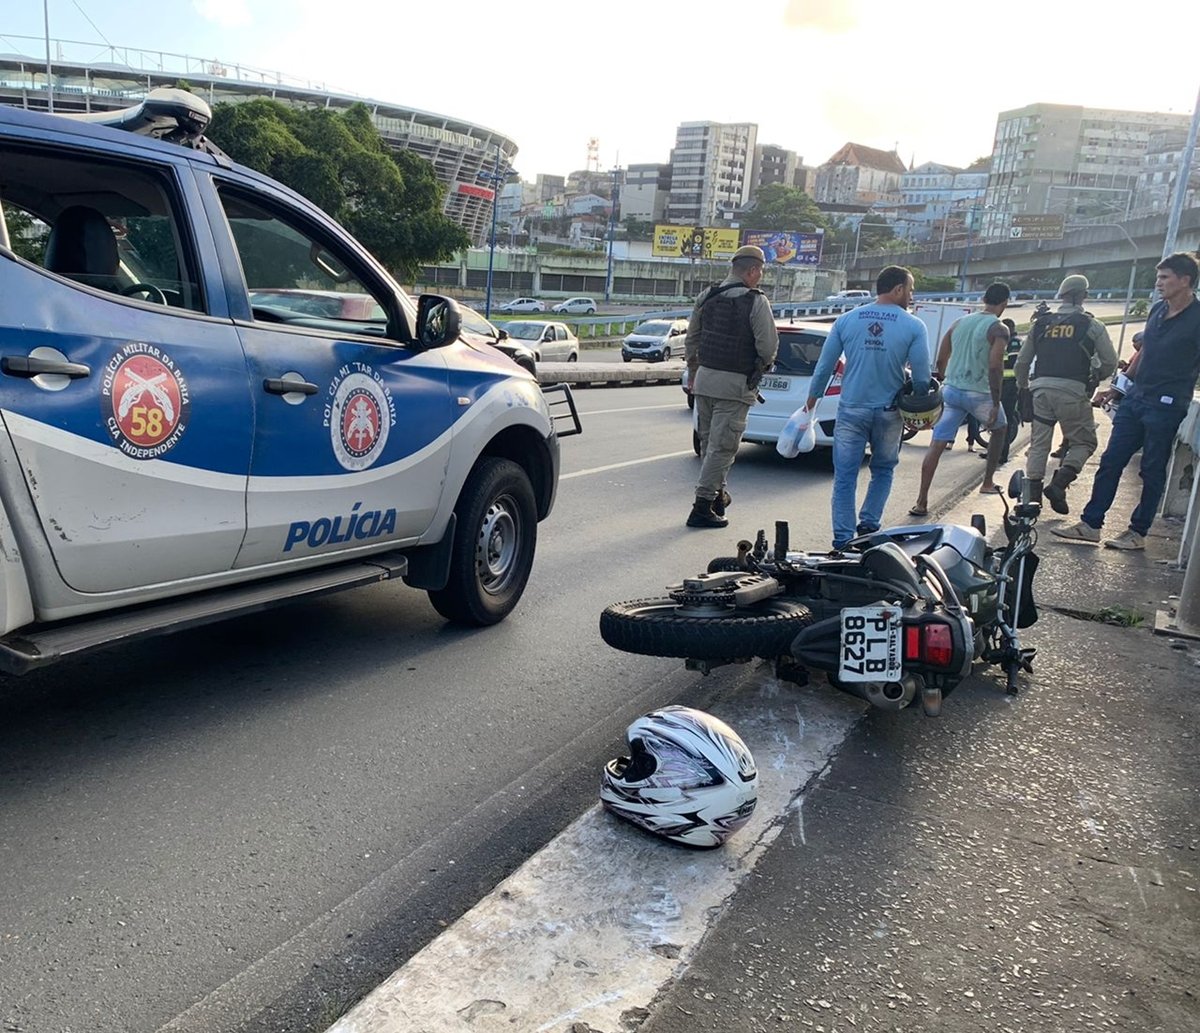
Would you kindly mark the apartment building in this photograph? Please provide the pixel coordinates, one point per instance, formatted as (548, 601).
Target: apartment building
(645, 192)
(1083, 163)
(774, 164)
(1160, 169)
(711, 170)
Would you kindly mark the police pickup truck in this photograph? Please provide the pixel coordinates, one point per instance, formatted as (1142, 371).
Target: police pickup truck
(213, 399)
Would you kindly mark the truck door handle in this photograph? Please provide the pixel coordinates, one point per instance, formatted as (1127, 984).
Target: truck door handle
(277, 386)
(27, 366)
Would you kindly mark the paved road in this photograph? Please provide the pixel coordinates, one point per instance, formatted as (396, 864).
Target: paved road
(244, 827)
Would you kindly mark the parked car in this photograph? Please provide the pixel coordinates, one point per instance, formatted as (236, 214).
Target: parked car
(479, 331)
(178, 450)
(522, 305)
(655, 340)
(785, 386)
(851, 297)
(577, 306)
(549, 342)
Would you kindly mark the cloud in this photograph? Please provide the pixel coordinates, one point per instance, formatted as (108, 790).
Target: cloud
(229, 14)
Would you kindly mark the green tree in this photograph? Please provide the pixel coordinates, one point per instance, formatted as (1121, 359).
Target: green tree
(779, 207)
(638, 229)
(390, 200)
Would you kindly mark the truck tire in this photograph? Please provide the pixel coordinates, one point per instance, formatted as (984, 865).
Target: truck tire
(654, 627)
(493, 547)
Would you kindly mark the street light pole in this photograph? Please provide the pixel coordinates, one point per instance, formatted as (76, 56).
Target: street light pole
(612, 231)
(971, 209)
(1132, 275)
(496, 178)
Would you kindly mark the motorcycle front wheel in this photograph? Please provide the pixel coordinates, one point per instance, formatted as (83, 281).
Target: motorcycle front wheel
(658, 627)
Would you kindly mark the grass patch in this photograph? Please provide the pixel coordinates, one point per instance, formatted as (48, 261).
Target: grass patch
(1120, 615)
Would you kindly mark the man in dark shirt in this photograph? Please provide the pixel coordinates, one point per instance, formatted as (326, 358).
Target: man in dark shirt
(1151, 412)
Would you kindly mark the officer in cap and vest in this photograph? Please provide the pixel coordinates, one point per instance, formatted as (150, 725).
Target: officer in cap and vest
(1070, 353)
(731, 341)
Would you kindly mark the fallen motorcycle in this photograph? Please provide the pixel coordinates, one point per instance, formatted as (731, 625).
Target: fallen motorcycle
(899, 615)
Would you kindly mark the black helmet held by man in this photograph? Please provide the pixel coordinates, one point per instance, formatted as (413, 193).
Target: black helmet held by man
(920, 409)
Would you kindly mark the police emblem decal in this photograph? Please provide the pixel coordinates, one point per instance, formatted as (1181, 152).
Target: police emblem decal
(145, 401)
(359, 418)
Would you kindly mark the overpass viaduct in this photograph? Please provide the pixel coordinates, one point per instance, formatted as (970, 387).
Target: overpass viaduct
(1100, 251)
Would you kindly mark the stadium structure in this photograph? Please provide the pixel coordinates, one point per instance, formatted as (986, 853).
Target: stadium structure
(463, 154)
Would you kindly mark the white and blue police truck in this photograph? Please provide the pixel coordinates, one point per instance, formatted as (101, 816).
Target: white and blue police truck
(214, 399)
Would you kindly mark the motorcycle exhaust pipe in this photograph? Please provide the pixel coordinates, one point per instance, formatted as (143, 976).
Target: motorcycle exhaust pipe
(892, 695)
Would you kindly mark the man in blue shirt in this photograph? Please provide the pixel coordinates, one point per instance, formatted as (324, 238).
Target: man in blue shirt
(880, 340)
(1149, 415)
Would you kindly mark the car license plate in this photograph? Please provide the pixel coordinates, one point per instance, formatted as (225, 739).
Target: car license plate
(774, 383)
(870, 644)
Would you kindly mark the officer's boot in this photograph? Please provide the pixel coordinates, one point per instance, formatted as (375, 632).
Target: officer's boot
(1035, 489)
(702, 515)
(722, 500)
(1056, 490)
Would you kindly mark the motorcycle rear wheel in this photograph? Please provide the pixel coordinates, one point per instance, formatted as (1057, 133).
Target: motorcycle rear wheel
(655, 627)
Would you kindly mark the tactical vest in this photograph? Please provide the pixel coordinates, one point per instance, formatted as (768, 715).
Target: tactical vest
(726, 335)
(1062, 347)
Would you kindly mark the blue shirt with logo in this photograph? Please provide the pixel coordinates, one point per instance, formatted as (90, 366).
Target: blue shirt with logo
(880, 342)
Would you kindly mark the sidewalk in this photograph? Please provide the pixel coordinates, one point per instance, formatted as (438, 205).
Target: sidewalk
(1017, 864)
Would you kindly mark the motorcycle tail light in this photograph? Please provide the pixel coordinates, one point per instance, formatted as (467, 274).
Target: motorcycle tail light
(929, 643)
(835, 382)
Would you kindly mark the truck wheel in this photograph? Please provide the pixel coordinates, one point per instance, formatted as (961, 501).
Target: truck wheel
(656, 627)
(494, 543)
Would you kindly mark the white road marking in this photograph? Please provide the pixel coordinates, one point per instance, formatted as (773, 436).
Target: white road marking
(628, 408)
(605, 915)
(627, 462)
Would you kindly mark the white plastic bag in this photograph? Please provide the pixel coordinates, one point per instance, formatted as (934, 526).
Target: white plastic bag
(798, 434)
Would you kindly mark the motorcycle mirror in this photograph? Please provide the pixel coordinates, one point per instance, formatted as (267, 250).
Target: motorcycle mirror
(1016, 484)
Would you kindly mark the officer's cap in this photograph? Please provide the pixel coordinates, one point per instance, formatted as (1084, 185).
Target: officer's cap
(1072, 285)
(750, 251)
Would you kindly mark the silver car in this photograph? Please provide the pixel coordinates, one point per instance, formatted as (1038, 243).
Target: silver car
(549, 342)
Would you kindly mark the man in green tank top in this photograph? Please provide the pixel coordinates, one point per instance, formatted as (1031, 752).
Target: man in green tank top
(971, 361)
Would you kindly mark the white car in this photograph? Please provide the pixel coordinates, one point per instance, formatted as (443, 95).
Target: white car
(655, 340)
(851, 297)
(577, 306)
(549, 342)
(522, 305)
(785, 386)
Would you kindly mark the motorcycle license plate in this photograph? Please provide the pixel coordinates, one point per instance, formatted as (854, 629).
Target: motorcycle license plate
(871, 644)
(774, 383)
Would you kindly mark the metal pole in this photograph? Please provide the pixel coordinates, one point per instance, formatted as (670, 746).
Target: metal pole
(1181, 183)
(49, 79)
(962, 277)
(612, 229)
(487, 306)
(1128, 303)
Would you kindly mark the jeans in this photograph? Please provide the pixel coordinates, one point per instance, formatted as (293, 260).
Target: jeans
(856, 427)
(1136, 424)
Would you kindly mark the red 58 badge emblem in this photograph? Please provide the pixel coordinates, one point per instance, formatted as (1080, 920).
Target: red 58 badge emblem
(145, 400)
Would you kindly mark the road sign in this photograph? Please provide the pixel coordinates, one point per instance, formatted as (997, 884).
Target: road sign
(1037, 227)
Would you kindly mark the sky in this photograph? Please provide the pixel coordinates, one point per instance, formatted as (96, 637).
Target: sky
(927, 78)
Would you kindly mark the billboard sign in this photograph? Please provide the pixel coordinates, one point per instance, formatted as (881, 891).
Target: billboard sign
(784, 247)
(1036, 227)
(694, 242)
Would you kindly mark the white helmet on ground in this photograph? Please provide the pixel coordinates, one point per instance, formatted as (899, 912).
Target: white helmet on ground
(689, 778)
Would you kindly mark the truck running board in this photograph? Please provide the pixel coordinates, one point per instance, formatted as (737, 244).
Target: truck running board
(32, 646)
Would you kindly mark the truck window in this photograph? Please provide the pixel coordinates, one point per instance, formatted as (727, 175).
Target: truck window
(100, 223)
(291, 277)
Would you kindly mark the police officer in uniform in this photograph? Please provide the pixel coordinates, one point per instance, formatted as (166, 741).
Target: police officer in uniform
(1070, 353)
(731, 340)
